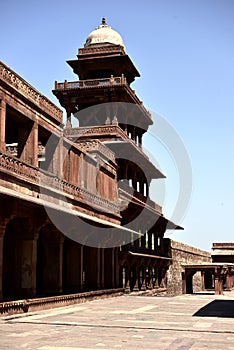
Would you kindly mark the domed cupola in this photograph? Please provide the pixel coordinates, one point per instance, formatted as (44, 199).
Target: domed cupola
(104, 35)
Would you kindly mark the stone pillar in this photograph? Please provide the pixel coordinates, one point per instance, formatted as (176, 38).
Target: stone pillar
(163, 280)
(81, 254)
(156, 277)
(218, 283)
(68, 123)
(34, 264)
(61, 241)
(150, 278)
(2, 232)
(140, 140)
(202, 280)
(28, 143)
(2, 126)
(128, 278)
(34, 144)
(143, 286)
(113, 268)
(101, 268)
(58, 158)
(117, 267)
(136, 288)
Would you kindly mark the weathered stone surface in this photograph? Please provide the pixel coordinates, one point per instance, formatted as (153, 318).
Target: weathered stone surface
(183, 254)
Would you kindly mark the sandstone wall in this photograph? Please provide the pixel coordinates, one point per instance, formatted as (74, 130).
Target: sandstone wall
(183, 254)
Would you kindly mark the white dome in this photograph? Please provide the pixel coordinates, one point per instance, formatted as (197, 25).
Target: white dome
(104, 34)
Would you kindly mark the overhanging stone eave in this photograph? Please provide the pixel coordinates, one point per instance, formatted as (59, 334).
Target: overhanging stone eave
(148, 255)
(120, 151)
(69, 211)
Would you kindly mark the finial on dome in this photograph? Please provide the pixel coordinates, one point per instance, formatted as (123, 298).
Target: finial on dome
(103, 21)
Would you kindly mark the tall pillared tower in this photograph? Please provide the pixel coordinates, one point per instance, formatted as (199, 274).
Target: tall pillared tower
(108, 110)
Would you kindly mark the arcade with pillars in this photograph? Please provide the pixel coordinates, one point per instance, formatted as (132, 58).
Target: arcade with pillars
(214, 276)
(38, 260)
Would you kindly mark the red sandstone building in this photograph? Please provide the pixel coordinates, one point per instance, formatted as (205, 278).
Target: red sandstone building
(95, 174)
(75, 208)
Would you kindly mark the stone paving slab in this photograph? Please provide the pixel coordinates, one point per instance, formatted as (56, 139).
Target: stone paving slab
(184, 322)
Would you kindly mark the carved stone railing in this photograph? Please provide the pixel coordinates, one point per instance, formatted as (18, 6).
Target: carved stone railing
(17, 167)
(100, 83)
(51, 182)
(90, 83)
(99, 50)
(35, 304)
(12, 149)
(95, 131)
(97, 146)
(124, 190)
(25, 89)
(78, 193)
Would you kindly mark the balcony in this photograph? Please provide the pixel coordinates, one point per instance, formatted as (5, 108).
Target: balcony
(108, 131)
(49, 188)
(91, 84)
(126, 191)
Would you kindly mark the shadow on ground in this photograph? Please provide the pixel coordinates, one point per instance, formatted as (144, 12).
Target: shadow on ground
(217, 308)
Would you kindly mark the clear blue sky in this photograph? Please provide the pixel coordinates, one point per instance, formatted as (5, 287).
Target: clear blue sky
(184, 51)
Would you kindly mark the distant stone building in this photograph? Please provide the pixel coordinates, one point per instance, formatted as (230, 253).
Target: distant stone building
(183, 254)
(75, 211)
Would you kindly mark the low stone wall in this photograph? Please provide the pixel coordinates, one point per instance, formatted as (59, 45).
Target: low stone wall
(182, 254)
(28, 305)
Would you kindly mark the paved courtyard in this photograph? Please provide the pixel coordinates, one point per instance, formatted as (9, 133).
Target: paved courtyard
(127, 322)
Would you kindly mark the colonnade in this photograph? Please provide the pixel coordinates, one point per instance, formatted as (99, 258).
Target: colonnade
(40, 261)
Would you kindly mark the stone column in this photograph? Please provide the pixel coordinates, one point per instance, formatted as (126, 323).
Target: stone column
(61, 241)
(136, 288)
(163, 283)
(28, 143)
(143, 286)
(2, 232)
(156, 277)
(117, 267)
(101, 268)
(113, 268)
(218, 283)
(81, 251)
(202, 280)
(34, 264)
(59, 157)
(34, 144)
(150, 278)
(2, 125)
(68, 123)
(128, 278)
